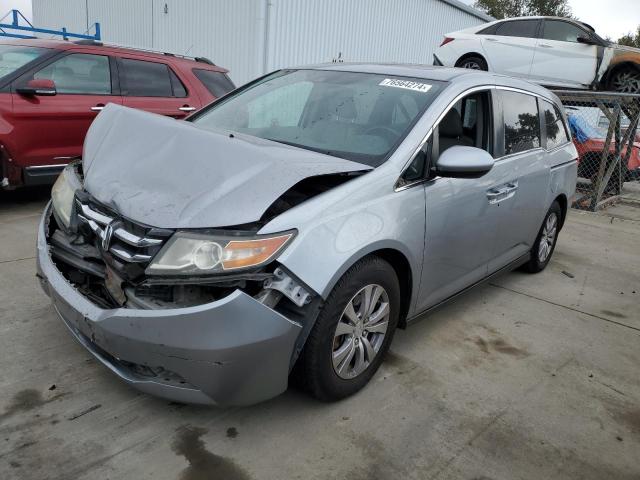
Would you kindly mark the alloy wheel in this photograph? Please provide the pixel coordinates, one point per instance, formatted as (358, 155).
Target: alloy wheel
(471, 65)
(627, 82)
(549, 232)
(361, 331)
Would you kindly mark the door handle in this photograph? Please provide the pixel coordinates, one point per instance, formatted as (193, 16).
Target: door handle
(511, 187)
(501, 193)
(186, 108)
(97, 108)
(545, 45)
(495, 193)
(491, 39)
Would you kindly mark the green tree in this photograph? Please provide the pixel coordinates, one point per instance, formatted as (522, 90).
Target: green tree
(630, 39)
(551, 8)
(523, 8)
(501, 8)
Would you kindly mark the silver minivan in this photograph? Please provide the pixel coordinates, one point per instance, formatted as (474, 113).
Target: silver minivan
(286, 230)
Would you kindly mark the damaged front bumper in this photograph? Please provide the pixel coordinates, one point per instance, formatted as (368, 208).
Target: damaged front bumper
(232, 351)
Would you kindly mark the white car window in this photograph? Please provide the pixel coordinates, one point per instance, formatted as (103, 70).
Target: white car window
(561, 31)
(518, 28)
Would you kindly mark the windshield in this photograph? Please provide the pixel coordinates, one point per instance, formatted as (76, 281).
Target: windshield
(356, 116)
(12, 57)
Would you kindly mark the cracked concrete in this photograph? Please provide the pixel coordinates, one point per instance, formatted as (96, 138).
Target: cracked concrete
(529, 377)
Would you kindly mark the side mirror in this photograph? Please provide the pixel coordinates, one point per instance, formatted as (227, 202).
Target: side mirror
(41, 87)
(464, 162)
(585, 39)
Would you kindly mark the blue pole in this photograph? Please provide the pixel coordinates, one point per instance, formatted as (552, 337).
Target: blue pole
(45, 31)
(15, 17)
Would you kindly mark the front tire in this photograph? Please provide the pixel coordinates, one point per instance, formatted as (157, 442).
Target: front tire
(473, 63)
(353, 331)
(546, 240)
(625, 80)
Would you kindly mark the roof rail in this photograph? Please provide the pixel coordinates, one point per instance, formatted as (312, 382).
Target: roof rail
(89, 42)
(142, 49)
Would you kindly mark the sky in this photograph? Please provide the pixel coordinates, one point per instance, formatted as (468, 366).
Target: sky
(23, 5)
(610, 18)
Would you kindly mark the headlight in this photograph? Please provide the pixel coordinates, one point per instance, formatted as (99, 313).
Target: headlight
(63, 192)
(189, 253)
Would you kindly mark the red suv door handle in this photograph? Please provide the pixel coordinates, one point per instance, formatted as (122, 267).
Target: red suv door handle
(98, 107)
(186, 108)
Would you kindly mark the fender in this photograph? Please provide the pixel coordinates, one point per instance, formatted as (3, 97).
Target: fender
(350, 222)
(369, 249)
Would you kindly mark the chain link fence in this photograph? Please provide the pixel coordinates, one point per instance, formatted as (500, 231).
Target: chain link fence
(605, 130)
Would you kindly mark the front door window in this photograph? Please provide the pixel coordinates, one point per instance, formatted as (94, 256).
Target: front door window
(79, 73)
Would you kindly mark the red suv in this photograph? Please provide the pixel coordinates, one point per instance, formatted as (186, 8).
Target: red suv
(50, 91)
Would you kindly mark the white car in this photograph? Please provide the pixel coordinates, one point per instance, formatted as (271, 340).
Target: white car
(552, 51)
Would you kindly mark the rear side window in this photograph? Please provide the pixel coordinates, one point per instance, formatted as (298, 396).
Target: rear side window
(518, 28)
(145, 79)
(489, 30)
(554, 126)
(521, 122)
(561, 31)
(217, 83)
(79, 73)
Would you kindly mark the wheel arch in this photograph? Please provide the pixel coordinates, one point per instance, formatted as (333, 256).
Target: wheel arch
(469, 55)
(564, 206)
(612, 70)
(401, 265)
(399, 259)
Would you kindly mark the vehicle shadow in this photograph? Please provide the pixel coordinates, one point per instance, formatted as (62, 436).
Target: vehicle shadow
(25, 198)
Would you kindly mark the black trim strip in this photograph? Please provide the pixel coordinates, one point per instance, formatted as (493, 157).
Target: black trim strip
(507, 268)
(563, 164)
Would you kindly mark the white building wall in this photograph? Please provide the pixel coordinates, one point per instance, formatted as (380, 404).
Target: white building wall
(228, 32)
(56, 14)
(127, 22)
(251, 37)
(405, 31)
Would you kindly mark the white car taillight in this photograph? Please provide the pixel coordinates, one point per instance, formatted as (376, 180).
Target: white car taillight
(446, 40)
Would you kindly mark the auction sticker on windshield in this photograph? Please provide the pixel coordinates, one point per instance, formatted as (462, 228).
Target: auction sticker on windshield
(406, 84)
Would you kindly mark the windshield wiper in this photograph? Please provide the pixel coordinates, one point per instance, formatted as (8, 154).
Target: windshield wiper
(304, 147)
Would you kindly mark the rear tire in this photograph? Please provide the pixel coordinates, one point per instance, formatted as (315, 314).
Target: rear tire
(324, 368)
(473, 63)
(546, 240)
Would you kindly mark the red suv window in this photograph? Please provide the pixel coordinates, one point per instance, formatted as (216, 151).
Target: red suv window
(217, 83)
(79, 73)
(149, 79)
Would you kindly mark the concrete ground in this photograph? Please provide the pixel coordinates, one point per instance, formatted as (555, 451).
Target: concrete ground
(529, 377)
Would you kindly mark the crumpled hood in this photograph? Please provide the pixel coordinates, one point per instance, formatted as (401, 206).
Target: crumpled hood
(625, 49)
(172, 174)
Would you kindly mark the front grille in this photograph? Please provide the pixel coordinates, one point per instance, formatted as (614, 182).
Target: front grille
(127, 246)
